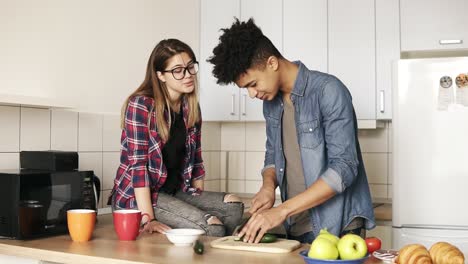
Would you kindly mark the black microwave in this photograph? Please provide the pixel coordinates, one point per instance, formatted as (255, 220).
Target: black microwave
(34, 203)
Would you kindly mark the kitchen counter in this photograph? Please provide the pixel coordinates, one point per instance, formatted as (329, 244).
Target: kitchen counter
(148, 248)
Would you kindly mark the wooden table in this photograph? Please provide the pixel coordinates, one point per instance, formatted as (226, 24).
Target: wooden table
(148, 248)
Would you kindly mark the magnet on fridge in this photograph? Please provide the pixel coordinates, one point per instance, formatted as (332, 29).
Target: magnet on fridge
(446, 96)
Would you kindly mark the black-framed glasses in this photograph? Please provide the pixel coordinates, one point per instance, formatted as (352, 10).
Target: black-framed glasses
(179, 72)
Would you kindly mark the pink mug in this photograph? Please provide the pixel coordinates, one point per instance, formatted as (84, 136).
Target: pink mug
(127, 223)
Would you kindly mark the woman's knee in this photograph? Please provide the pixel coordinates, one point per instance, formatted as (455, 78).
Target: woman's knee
(231, 198)
(215, 227)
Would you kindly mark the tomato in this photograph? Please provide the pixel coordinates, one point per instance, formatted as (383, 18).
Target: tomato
(373, 244)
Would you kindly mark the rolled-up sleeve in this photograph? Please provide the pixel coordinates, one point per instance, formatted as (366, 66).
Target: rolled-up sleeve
(136, 129)
(271, 125)
(340, 135)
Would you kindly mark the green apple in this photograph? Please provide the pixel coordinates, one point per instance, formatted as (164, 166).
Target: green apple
(352, 246)
(322, 248)
(327, 235)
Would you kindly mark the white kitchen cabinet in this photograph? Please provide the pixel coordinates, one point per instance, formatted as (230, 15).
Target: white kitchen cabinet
(218, 103)
(351, 51)
(387, 51)
(305, 33)
(229, 103)
(433, 25)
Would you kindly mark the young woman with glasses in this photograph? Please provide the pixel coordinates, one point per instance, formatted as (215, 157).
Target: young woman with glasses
(161, 169)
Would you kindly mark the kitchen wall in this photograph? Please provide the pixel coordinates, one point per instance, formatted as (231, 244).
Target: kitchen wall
(96, 137)
(234, 152)
(88, 54)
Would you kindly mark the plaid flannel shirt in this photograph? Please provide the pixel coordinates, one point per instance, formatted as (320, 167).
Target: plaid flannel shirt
(141, 162)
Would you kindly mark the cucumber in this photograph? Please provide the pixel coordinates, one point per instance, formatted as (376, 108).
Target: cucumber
(198, 247)
(267, 238)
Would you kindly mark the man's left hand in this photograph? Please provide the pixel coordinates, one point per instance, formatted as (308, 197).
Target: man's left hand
(260, 223)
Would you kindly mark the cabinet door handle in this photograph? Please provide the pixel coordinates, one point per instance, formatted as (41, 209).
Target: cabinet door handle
(382, 101)
(233, 102)
(244, 104)
(450, 41)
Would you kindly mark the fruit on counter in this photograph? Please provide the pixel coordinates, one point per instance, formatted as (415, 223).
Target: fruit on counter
(322, 248)
(413, 254)
(373, 244)
(327, 235)
(351, 246)
(446, 253)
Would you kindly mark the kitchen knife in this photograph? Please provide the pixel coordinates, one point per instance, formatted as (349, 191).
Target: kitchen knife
(244, 221)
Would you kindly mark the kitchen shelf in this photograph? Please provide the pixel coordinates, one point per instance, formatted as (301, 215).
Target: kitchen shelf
(33, 101)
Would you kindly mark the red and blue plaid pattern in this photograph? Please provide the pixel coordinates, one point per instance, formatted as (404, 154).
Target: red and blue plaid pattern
(141, 162)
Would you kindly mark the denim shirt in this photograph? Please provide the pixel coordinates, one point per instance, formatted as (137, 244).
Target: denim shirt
(327, 133)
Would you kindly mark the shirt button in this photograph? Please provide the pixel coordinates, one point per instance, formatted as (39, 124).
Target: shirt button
(281, 169)
(310, 129)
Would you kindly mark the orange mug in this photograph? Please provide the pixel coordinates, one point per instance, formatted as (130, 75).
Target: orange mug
(81, 224)
(127, 223)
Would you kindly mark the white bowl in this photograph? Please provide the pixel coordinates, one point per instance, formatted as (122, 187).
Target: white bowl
(183, 236)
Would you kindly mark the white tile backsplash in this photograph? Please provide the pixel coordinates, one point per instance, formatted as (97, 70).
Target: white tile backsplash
(378, 190)
(236, 166)
(252, 187)
(211, 136)
(207, 163)
(64, 130)
(212, 186)
(373, 140)
(215, 168)
(110, 163)
(111, 132)
(35, 129)
(233, 136)
(255, 136)
(10, 133)
(236, 186)
(254, 165)
(376, 167)
(90, 132)
(375, 145)
(9, 161)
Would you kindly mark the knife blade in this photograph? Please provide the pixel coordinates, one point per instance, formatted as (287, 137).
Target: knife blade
(244, 221)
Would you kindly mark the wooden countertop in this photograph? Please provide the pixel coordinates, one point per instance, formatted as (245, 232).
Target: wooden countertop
(148, 248)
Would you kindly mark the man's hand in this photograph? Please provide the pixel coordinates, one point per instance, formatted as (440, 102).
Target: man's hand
(263, 200)
(261, 222)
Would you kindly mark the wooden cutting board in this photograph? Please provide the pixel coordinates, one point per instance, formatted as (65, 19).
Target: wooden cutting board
(279, 246)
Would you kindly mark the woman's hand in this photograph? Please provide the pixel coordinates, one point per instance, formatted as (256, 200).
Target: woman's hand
(155, 226)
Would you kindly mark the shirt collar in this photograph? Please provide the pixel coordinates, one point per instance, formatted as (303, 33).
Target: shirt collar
(301, 79)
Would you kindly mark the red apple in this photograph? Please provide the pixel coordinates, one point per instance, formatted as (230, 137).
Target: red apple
(373, 244)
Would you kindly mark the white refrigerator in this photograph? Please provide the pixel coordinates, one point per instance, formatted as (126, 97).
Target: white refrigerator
(430, 152)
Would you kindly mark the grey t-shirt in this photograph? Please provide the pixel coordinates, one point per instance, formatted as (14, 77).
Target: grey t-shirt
(300, 223)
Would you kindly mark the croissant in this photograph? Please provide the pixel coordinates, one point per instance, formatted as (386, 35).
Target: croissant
(446, 253)
(413, 254)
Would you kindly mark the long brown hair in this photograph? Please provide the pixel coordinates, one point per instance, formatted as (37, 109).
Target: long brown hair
(154, 88)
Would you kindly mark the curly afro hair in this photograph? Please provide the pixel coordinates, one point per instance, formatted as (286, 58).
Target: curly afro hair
(240, 47)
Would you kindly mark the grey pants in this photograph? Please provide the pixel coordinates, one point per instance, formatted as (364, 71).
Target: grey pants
(186, 211)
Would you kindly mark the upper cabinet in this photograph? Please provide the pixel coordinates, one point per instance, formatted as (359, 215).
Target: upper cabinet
(305, 33)
(434, 25)
(353, 40)
(351, 51)
(230, 103)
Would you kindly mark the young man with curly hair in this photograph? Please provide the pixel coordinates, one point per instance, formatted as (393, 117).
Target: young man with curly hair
(312, 149)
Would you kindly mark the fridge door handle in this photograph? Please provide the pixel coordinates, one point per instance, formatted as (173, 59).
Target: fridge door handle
(382, 101)
(450, 41)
